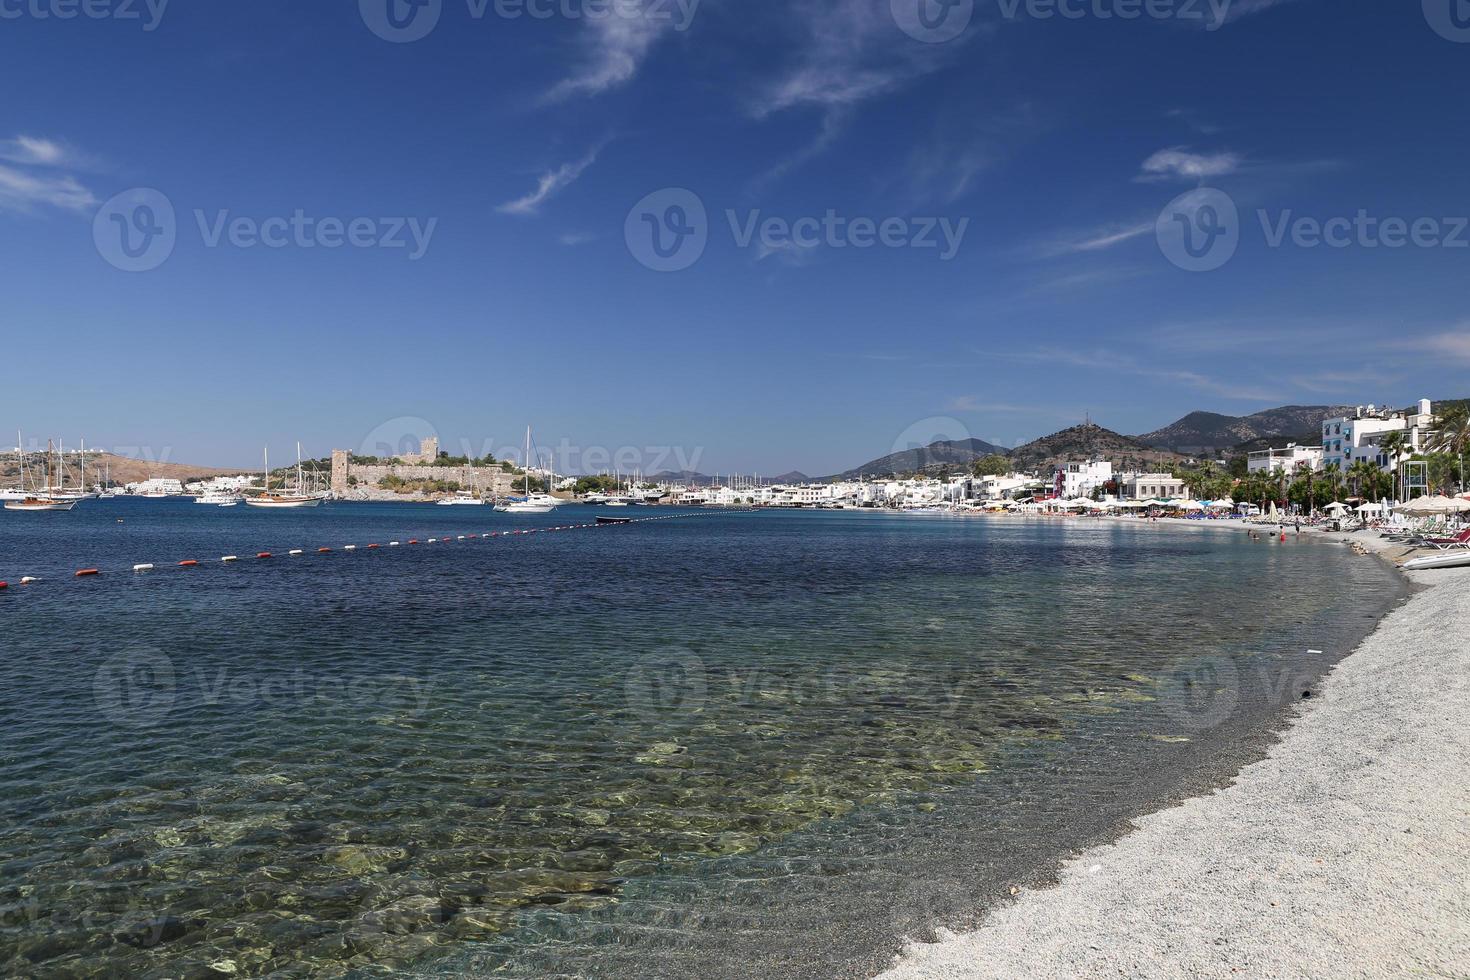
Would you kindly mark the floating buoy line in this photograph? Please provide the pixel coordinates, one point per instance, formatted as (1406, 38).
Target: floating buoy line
(144, 568)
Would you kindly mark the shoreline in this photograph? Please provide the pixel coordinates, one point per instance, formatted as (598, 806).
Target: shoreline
(1342, 851)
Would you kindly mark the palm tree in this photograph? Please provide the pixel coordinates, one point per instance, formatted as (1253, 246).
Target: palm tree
(1393, 445)
(1333, 471)
(1360, 471)
(1452, 434)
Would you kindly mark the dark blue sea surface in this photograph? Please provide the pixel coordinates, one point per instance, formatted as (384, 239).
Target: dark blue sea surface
(725, 744)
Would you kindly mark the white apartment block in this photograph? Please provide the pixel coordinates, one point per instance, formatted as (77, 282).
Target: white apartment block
(1351, 438)
(1287, 460)
(1072, 480)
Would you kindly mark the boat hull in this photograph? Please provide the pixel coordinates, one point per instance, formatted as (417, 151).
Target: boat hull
(280, 504)
(38, 505)
(1458, 558)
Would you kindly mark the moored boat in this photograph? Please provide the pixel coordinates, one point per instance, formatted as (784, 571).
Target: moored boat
(1452, 558)
(40, 503)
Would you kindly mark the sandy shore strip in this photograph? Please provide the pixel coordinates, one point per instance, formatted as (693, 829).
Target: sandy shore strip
(1346, 852)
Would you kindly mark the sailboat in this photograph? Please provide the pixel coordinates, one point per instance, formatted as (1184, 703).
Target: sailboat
(465, 498)
(40, 501)
(533, 503)
(61, 491)
(284, 500)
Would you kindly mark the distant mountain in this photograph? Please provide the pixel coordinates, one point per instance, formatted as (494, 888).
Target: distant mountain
(688, 478)
(1200, 433)
(956, 454)
(795, 476)
(1086, 441)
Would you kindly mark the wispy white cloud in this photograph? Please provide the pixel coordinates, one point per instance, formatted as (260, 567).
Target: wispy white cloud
(615, 48)
(847, 53)
(1244, 8)
(32, 151)
(21, 191)
(549, 185)
(850, 52)
(1111, 362)
(1454, 345)
(1099, 239)
(1178, 163)
(35, 180)
(971, 403)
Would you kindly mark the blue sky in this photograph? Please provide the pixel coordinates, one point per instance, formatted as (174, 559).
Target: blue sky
(530, 151)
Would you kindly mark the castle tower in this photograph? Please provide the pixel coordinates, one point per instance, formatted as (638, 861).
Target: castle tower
(339, 473)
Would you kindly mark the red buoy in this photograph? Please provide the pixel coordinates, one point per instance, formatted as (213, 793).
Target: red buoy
(84, 573)
(4, 585)
(414, 541)
(188, 564)
(264, 554)
(371, 547)
(323, 551)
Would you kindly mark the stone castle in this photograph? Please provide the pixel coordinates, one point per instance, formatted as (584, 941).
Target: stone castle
(488, 480)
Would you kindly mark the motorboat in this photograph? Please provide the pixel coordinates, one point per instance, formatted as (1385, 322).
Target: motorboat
(536, 503)
(463, 498)
(217, 498)
(1450, 558)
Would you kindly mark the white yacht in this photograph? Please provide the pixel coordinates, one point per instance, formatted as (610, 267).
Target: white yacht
(532, 503)
(462, 498)
(217, 498)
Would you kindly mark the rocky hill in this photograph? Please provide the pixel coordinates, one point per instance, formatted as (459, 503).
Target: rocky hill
(955, 454)
(1086, 441)
(1209, 432)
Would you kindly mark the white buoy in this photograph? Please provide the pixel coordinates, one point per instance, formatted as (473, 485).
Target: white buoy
(230, 558)
(295, 552)
(142, 568)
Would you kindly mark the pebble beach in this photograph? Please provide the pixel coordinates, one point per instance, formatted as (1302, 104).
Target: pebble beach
(1345, 852)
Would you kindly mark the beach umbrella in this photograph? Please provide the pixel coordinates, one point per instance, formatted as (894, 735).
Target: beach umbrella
(1435, 505)
(1334, 507)
(1370, 509)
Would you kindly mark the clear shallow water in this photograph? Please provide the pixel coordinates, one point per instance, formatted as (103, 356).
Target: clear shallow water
(733, 743)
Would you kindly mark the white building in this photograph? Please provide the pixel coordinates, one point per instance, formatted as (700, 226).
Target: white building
(1352, 438)
(1072, 480)
(1152, 486)
(1287, 460)
(156, 488)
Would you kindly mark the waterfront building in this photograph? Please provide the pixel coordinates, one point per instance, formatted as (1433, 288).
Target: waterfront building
(157, 487)
(1072, 480)
(1152, 486)
(1348, 439)
(1287, 460)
